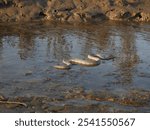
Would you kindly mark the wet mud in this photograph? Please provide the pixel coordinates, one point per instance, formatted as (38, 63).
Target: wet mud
(77, 100)
(73, 11)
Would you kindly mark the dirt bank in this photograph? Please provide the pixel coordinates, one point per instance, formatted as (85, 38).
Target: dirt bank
(78, 100)
(74, 10)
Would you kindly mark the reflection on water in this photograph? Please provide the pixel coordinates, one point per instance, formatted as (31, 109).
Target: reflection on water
(28, 53)
(128, 58)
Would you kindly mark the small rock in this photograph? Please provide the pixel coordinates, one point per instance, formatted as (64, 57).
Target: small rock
(28, 73)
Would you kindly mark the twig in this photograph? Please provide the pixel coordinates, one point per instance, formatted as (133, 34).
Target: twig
(12, 102)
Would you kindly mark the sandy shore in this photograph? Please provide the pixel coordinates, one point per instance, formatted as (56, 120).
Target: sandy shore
(74, 10)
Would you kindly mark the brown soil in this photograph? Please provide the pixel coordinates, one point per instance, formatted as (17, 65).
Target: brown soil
(72, 101)
(74, 10)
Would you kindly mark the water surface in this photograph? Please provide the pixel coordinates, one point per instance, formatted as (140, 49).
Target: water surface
(29, 51)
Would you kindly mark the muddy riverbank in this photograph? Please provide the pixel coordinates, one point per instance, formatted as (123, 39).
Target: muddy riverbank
(79, 100)
(74, 10)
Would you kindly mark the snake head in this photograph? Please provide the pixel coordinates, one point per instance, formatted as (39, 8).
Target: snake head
(93, 57)
(100, 56)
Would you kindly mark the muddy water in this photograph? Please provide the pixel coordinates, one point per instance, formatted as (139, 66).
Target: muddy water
(29, 51)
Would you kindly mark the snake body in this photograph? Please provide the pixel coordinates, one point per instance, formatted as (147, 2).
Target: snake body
(66, 66)
(92, 60)
(62, 67)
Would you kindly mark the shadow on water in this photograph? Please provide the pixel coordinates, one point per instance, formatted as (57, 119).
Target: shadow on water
(29, 51)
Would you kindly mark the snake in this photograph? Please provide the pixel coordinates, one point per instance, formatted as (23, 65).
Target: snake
(92, 60)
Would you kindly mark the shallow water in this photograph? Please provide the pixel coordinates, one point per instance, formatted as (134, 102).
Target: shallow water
(29, 51)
